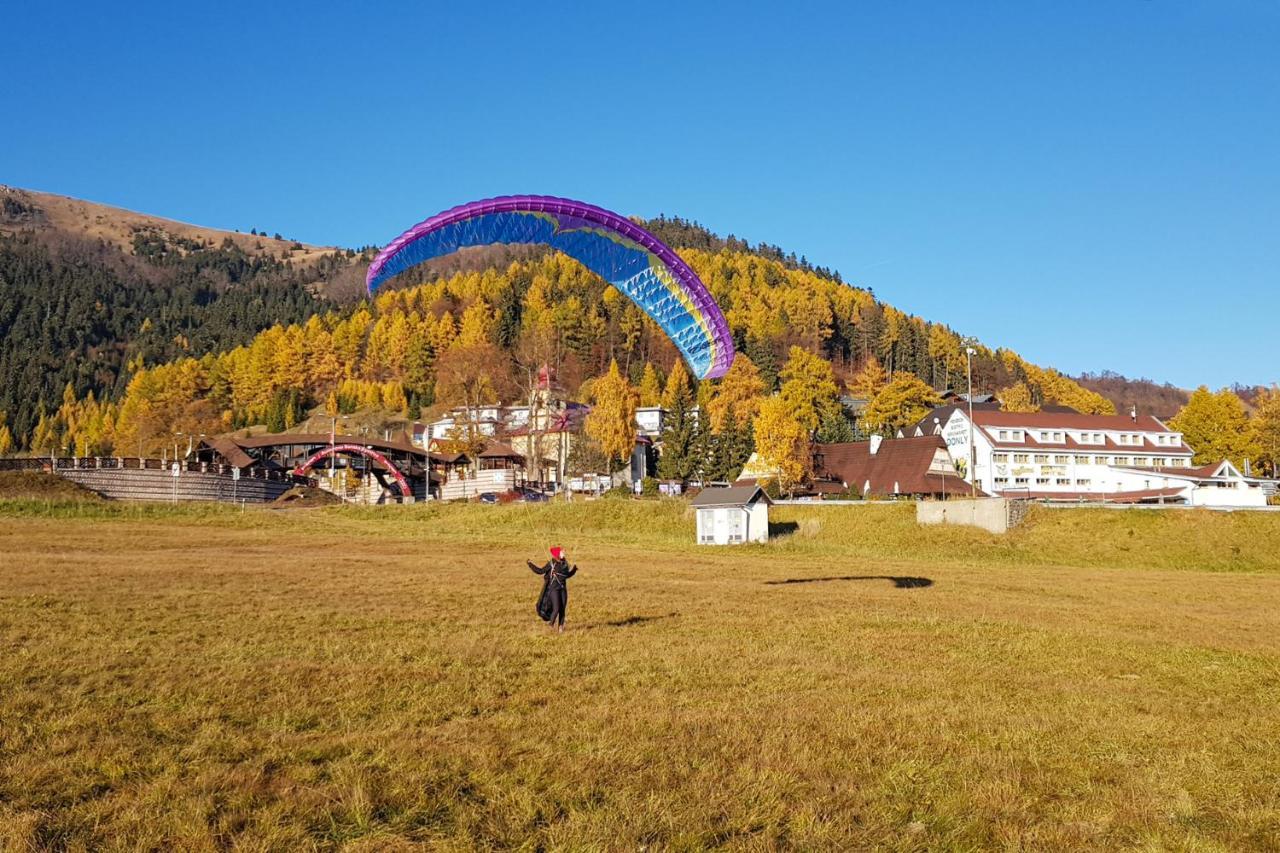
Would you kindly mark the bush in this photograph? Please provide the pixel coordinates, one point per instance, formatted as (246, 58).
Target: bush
(618, 492)
(649, 487)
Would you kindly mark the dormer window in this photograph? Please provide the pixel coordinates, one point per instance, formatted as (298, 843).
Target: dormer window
(1004, 435)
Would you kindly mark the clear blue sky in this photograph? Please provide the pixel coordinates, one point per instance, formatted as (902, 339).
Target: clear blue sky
(1096, 185)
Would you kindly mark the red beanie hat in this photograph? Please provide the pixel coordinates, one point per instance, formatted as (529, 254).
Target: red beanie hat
(556, 551)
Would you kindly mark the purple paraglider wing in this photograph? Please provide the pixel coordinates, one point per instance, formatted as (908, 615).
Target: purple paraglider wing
(621, 252)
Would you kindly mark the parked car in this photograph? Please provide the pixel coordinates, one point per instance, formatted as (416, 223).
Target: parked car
(532, 496)
(488, 497)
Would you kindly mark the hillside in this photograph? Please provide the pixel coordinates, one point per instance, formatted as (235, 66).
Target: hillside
(87, 290)
(193, 329)
(1148, 396)
(27, 210)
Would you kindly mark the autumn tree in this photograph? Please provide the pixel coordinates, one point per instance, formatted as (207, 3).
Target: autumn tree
(901, 403)
(1265, 425)
(650, 389)
(867, 382)
(1216, 427)
(1017, 398)
(6, 437)
(612, 421)
(782, 442)
(469, 376)
(809, 387)
(737, 396)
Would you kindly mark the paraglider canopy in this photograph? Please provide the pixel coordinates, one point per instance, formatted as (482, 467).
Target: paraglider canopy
(618, 250)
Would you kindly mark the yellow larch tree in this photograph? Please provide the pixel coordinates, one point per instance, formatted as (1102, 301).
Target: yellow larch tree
(901, 403)
(809, 387)
(737, 397)
(612, 420)
(650, 389)
(870, 378)
(1017, 398)
(782, 442)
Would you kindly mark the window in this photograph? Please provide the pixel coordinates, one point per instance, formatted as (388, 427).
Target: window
(1099, 460)
(1000, 457)
(1044, 436)
(1083, 482)
(1057, 436)
(1004, 435)
(1042, 481)
(1061, 460)
(1017, 435)
(1122, 460)
(1064, 481)
(1097, 438)
(1002, 479)
(1141, 461)
(1042, 459)
(1019, 481)
(1082, 460)
(1021, 457)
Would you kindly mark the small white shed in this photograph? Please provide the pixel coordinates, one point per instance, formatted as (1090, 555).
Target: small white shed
(733, 515)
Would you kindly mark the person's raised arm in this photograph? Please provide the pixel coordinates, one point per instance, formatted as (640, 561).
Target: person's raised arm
(573, 571)
(537, 570)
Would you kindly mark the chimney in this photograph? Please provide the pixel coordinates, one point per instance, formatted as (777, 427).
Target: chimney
(875, 443)
(1133, 413)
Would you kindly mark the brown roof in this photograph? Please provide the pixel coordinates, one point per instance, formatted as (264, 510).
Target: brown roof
(230, 451)
(498, 450)
(736, 495)
(900, 466)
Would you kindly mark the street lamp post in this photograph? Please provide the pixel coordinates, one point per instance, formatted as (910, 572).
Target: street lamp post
(973, 456)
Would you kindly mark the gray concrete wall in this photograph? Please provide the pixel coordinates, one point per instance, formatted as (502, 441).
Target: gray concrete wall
(991, 514)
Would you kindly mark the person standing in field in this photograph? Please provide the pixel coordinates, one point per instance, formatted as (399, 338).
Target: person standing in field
(555, 588)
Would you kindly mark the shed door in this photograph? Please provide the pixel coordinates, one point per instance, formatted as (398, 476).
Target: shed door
(737, 527)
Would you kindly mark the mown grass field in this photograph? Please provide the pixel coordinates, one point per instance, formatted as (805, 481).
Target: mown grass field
(202, 678)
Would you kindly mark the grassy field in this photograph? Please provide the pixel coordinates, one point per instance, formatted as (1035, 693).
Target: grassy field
(205, 678)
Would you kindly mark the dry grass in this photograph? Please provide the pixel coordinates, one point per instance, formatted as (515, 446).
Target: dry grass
(116, 226)
(38, 486)
(203, 678)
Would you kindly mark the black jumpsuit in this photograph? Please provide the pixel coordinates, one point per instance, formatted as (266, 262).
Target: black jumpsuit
(555, 589)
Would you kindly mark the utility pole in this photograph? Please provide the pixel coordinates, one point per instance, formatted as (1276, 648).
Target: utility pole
(973, 455)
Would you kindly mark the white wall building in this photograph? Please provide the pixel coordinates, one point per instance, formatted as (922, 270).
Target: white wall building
(1070, 456)
(732, 516)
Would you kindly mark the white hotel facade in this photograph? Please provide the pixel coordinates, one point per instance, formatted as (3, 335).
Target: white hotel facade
(1070, 456)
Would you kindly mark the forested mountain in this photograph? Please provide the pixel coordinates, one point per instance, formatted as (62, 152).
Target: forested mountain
(89, 292)
(120, 328)
(1150, 398)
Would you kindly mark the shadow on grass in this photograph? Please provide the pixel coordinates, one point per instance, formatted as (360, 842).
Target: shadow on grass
(899, 582)
(629, 621)
(782, 528)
